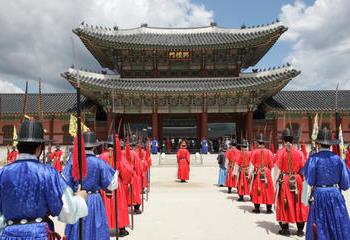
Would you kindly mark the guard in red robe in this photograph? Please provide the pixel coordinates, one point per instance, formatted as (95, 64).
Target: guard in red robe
(57, 158)
(232, 156)
(289, 207)
(124, 176)
(12, 155)
(262, 191)
(136, 181)
(243, 172)
(183, 161)
(145, 156)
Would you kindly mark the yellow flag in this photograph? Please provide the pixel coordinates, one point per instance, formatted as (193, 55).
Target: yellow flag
(15, 142)
(341, 144)
(73, 126)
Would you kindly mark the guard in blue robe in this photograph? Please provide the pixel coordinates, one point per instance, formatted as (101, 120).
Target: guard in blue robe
(204, 146)
(328, 176)
(154, 146)
(99, 176)
(222, 167)
(30, 192)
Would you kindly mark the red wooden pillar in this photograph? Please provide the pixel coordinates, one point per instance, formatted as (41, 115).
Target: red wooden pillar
(275, 131)
(199, 128)
(250, 126)
(204, 125)
(311, 124)
(155, 125)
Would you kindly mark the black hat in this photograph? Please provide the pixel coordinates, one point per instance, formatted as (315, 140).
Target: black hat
(324, 137)
(90, 139)
(31, 131)
(109, 140)
(261, 139)
(233, 142)
(287, 134)
(244, 143)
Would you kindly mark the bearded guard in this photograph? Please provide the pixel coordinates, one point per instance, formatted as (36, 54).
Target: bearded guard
(289, 207)
(125, 172)
(262, 191)
(232, 156)
(328, 175)
(243, 171)
(31, 191)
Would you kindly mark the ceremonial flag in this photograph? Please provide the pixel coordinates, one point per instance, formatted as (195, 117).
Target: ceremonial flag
(73, 126)
(347, 159)
(341, 144)
(75, 167)
(335, 149)
(315, 130)
(15, 142)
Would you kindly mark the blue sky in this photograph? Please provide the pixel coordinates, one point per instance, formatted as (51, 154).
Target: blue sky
(233, 13)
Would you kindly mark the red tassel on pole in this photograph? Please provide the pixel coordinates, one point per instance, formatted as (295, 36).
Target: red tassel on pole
(75, 167)
(127, 151)
(303, 149)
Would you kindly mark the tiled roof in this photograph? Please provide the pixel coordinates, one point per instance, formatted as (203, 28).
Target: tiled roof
(177, 37)
(52, 103)
(309, 101)
(246, 81)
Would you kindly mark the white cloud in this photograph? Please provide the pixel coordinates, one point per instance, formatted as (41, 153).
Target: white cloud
(6, 87)
(320, 37)
(36, 34)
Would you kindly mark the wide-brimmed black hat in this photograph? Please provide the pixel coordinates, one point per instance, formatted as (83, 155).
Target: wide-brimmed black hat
(31, 132)
(233, 142)
(109, 140)
(90, 140)
(133, 141)
(287, 133)
(261, 139)
(244, 143)
(324, 137)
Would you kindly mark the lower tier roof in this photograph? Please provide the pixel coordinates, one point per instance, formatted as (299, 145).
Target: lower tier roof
(276, 79)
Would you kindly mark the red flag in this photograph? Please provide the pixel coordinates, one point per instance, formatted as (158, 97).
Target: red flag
(75, 167)
(127, 151)
(272, 147)
(303, 149)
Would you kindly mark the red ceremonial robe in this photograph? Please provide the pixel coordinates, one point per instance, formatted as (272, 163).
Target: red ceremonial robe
(136, 180)
(12, 156)
(243, 181)
(347, 157)
(262, 191)
(232, 156)
(125, 173)
(289, 207)
(183, 161)
(57, 160)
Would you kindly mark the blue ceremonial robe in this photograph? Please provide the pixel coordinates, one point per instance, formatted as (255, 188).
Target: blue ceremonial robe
(222, 176)
(204, 146)
(99, 176)
(328, 211)
(29, 190)
(154, 147)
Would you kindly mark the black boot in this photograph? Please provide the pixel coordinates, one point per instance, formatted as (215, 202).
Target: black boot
(269, 209)
(256, 208)
(123, 232)
(300, 231)
(137, 209)
(240, 199)
(285, 230)
(229, 190)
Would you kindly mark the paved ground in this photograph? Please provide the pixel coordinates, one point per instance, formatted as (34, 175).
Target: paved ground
(199, 210)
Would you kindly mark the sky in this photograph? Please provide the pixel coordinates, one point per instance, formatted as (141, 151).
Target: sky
(37, 36)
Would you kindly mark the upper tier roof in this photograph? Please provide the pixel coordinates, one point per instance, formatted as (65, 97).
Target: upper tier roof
(309, 101)
(181, 37)
(272, 80)
(12, 103)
